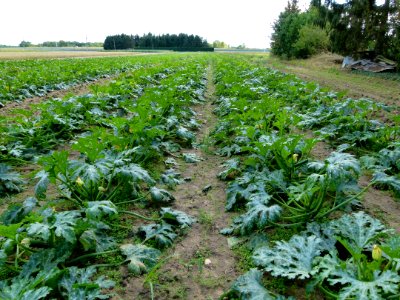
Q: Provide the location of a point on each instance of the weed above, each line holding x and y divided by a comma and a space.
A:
205, 219
244, 258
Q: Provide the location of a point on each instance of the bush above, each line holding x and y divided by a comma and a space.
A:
312, 40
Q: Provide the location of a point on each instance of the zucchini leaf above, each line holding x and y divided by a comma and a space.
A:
176, 217
383, 283
140, 257
162, 234
249, 287
359, 229
77, 284
99, 209
292, 259
161, 196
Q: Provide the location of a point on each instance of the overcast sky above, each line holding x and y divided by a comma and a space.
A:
232, 21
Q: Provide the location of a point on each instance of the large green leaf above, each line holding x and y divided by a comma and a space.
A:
99, 209
249, 287
258, 216
382, 179
88, 173
171, 178
42, 184
46, 260
176, 217
135, 173
9, 181
338, 166
232, 168
39, 230
140, 257
243, 190
16, 213
359, 229
161, 196
64, 225
292, 259
18, 291
163, 234
185, 134
96, 240
77, 284
191, 158
27, 288
386, 282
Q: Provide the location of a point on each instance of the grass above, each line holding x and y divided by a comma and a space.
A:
244, 258
205, 219
324, 70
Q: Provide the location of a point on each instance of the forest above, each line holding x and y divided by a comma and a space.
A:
358, 28
150, 41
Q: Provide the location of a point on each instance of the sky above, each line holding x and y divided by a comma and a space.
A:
235, 22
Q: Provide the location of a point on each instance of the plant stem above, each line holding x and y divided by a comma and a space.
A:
108, 265
117, 225
138, 216
327, 292
133, 200
345, 202
92, 255
151, 290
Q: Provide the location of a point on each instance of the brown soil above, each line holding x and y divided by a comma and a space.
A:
185, 273
381, 205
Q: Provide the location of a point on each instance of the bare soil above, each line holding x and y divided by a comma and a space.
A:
381, 204
201, 265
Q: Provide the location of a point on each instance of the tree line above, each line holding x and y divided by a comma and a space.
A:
355, 27
151, 41
60, 43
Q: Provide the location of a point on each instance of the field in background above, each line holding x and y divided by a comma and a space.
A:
48, 52
324, 69
100, 147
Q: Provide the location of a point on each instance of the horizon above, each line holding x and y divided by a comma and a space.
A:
233, 22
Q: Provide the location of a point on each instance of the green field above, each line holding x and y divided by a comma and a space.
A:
194, 176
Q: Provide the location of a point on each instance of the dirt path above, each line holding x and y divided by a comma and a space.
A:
201, 265
325, 70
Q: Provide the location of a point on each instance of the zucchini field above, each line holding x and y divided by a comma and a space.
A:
194, 176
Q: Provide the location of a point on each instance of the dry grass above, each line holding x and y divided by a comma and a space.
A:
326, 70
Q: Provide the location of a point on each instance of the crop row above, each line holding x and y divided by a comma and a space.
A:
28, 78
53, 243
277, 185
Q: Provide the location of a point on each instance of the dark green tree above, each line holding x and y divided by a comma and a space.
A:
25, 44
286, 30
151, 41
118, 42
362, 25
